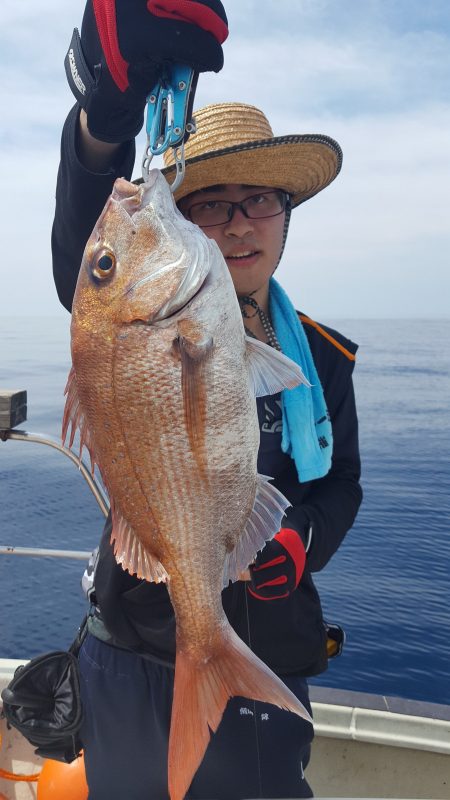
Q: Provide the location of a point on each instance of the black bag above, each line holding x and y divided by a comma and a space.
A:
43, 702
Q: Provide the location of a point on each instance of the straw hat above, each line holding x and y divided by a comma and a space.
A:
234, 143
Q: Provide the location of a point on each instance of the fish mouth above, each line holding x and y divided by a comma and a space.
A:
135, 197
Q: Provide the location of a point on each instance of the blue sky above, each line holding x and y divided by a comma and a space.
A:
373, 74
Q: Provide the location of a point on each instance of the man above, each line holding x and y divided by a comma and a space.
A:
240, 186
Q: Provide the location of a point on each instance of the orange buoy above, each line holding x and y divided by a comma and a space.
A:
58, 780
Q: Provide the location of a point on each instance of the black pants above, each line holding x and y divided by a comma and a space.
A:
259, 751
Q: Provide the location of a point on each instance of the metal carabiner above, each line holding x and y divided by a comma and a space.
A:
161, 122
168, 106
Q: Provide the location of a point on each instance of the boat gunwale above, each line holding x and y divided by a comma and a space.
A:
358, 716
378, 702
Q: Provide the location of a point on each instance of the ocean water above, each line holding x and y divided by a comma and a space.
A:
388, 585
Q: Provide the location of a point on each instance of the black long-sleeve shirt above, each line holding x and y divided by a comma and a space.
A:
287, 634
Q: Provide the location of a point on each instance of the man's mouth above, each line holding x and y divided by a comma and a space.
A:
242, 255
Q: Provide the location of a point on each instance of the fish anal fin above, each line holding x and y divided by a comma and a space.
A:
131, 554
271, 371
262, 524
75, 418
195, 348
201, 692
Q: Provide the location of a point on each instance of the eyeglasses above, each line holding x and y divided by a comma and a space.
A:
219, 212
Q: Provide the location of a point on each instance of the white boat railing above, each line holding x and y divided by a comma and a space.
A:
7, 399
10, 550
96, 489
51, 441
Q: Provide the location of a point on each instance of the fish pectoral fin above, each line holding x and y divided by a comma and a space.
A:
131, 554
263, 523
194, 339
75, 419
271, 371
195, 348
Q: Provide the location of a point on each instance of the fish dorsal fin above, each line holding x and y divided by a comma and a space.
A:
131, 554
270, 370
263, 523
75, 418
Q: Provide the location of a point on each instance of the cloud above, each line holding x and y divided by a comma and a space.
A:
315, 71
26, 212
373, 75
376, 242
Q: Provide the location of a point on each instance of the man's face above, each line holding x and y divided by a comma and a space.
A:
251, 247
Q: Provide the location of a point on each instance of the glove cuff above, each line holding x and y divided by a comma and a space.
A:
78, 74
292, 542
119, 123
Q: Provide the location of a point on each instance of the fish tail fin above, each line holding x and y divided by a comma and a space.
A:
201, 692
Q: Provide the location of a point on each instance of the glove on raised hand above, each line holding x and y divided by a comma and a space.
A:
278, 568
117, 61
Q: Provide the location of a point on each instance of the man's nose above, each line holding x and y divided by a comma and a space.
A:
239, 224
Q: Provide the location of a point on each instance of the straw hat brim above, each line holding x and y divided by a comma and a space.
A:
302, 165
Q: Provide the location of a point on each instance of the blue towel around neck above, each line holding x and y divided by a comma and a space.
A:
307, 434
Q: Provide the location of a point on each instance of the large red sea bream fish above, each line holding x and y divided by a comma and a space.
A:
162, 390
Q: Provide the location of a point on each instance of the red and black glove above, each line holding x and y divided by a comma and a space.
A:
116, 62
278, 568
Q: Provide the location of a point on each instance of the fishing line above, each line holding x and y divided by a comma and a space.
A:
254, 701
273, 342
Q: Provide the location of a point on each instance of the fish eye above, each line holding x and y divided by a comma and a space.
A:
103, 265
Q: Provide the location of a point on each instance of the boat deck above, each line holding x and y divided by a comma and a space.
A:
366, 746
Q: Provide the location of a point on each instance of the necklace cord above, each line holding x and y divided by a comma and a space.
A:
248, 300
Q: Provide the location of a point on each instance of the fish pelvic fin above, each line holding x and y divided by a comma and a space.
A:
271, 371
201, 692
263, 523
131, 554
74, 418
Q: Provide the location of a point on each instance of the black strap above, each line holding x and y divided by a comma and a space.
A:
75, 647
78, 73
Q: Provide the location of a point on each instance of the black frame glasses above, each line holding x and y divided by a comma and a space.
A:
245, 206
